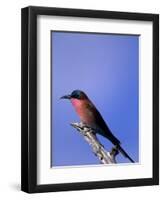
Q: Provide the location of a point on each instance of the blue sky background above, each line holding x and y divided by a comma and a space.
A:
105, 66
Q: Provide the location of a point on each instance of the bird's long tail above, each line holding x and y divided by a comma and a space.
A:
124, 153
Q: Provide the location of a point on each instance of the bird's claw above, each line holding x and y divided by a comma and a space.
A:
114, 151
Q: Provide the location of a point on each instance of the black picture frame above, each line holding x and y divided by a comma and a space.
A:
29, 98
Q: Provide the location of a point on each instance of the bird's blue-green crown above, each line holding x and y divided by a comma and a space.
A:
78, 94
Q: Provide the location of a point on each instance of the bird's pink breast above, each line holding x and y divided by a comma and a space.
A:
82, 110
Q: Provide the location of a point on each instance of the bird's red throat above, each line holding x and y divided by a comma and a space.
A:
77, 103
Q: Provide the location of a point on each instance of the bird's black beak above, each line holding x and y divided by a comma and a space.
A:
66, 97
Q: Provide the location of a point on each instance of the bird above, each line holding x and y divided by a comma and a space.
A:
90, 116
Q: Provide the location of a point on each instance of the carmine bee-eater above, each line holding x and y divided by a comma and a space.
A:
90, 116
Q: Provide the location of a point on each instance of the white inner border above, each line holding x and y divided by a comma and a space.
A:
143, 169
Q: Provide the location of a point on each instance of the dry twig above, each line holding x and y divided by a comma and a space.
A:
98, 149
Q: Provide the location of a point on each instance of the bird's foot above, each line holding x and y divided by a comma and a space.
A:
114, 151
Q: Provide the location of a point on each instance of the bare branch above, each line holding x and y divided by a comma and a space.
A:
98, 149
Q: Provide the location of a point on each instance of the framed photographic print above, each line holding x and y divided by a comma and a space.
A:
90, 99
